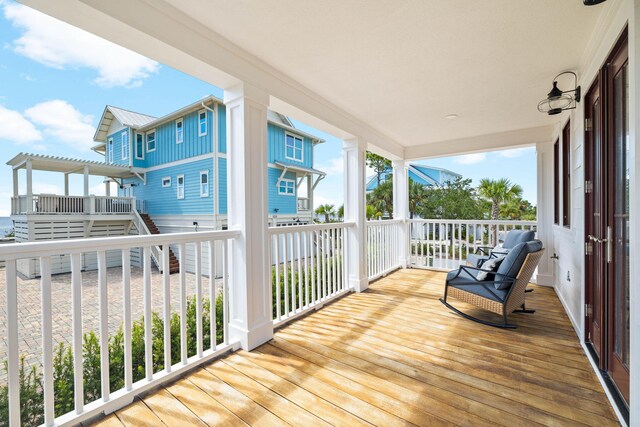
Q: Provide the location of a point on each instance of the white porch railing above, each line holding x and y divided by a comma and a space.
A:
383, 247
308, 267
445, 244
70, 205
170, 368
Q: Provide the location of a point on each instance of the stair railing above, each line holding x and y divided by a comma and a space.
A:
156, 252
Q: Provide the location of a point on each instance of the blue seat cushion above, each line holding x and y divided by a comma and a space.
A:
512, 263
476, 289
515, 237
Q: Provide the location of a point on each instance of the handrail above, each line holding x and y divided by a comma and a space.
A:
474, 221
156, 252
40, 248
310, 227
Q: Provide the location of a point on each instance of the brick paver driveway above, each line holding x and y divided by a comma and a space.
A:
29, 307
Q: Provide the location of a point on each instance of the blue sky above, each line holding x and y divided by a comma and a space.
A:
57, 79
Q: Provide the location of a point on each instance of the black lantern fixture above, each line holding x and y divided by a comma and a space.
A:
593, 2
558, 100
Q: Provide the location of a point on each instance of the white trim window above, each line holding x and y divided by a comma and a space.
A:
204, 183
293, 147
166, 182
110, 150
287, 187
139, 146
124, 141
151, 141
180, 186
179, 131
202, 122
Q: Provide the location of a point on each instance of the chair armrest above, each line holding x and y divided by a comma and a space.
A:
483, 250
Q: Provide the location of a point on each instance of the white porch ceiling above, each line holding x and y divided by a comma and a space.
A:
388, 70
402, 66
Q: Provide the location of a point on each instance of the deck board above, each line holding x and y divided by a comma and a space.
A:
394, 356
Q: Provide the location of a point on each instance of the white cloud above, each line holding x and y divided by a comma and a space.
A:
333, 166
16, 128
62, 121
27, 77
59, 45
470, 159
516, 152
319, 199
5, 208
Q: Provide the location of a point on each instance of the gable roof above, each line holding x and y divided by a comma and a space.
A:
419, 173
125, 117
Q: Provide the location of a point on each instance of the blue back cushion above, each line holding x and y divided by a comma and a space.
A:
513, 262
514, 237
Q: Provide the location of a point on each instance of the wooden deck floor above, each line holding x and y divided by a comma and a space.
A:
393, 356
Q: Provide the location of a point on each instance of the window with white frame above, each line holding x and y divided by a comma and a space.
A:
204, 183
179, 131
110, 150
166, 181
124, 140
139, 146
202, 122
151, 141
180, 187
293, 147
287, 187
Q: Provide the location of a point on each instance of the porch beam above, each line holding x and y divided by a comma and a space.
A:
250, 305
355, 211
401, 207
482, 143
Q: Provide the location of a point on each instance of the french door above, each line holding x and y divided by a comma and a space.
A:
607, 218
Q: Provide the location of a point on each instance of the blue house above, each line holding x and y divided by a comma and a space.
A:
181, 163
427, 176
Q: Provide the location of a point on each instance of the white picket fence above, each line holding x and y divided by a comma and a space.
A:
445, 244
113, 399
308, 267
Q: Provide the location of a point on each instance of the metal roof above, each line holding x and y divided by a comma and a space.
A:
298, 168
68, 165
125, 117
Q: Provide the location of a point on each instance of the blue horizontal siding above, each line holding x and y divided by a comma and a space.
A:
168, 151
222, 128
163, 200
284, 204
117, 147
222, 185
276, 147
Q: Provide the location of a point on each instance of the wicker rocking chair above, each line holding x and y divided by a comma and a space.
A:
504, 293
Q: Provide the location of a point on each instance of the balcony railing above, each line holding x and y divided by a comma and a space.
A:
47, 204
445, 244
146, 376
383, 247
308, 267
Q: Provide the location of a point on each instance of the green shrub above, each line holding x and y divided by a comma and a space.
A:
31, 391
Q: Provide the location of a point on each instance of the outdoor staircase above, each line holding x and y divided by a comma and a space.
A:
174, 264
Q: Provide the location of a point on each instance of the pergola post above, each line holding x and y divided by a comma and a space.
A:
354, 151
15, 183
66, 184
544, 153
250, 306
86, 180
401, 207
107, 188
29, 167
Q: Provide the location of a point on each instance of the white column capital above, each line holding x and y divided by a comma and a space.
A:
243, 92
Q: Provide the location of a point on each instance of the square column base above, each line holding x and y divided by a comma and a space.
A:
359, 284
253, 338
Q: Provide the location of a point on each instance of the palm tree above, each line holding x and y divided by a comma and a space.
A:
372, 213
381, 198
498, 192
341, 212
418, 195
327, 210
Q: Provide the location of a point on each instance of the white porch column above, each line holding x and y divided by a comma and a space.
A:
355, 211
66, 184
401, 207
107, 188
86, 180
544, 152
15, 182
250, 304
29, 167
